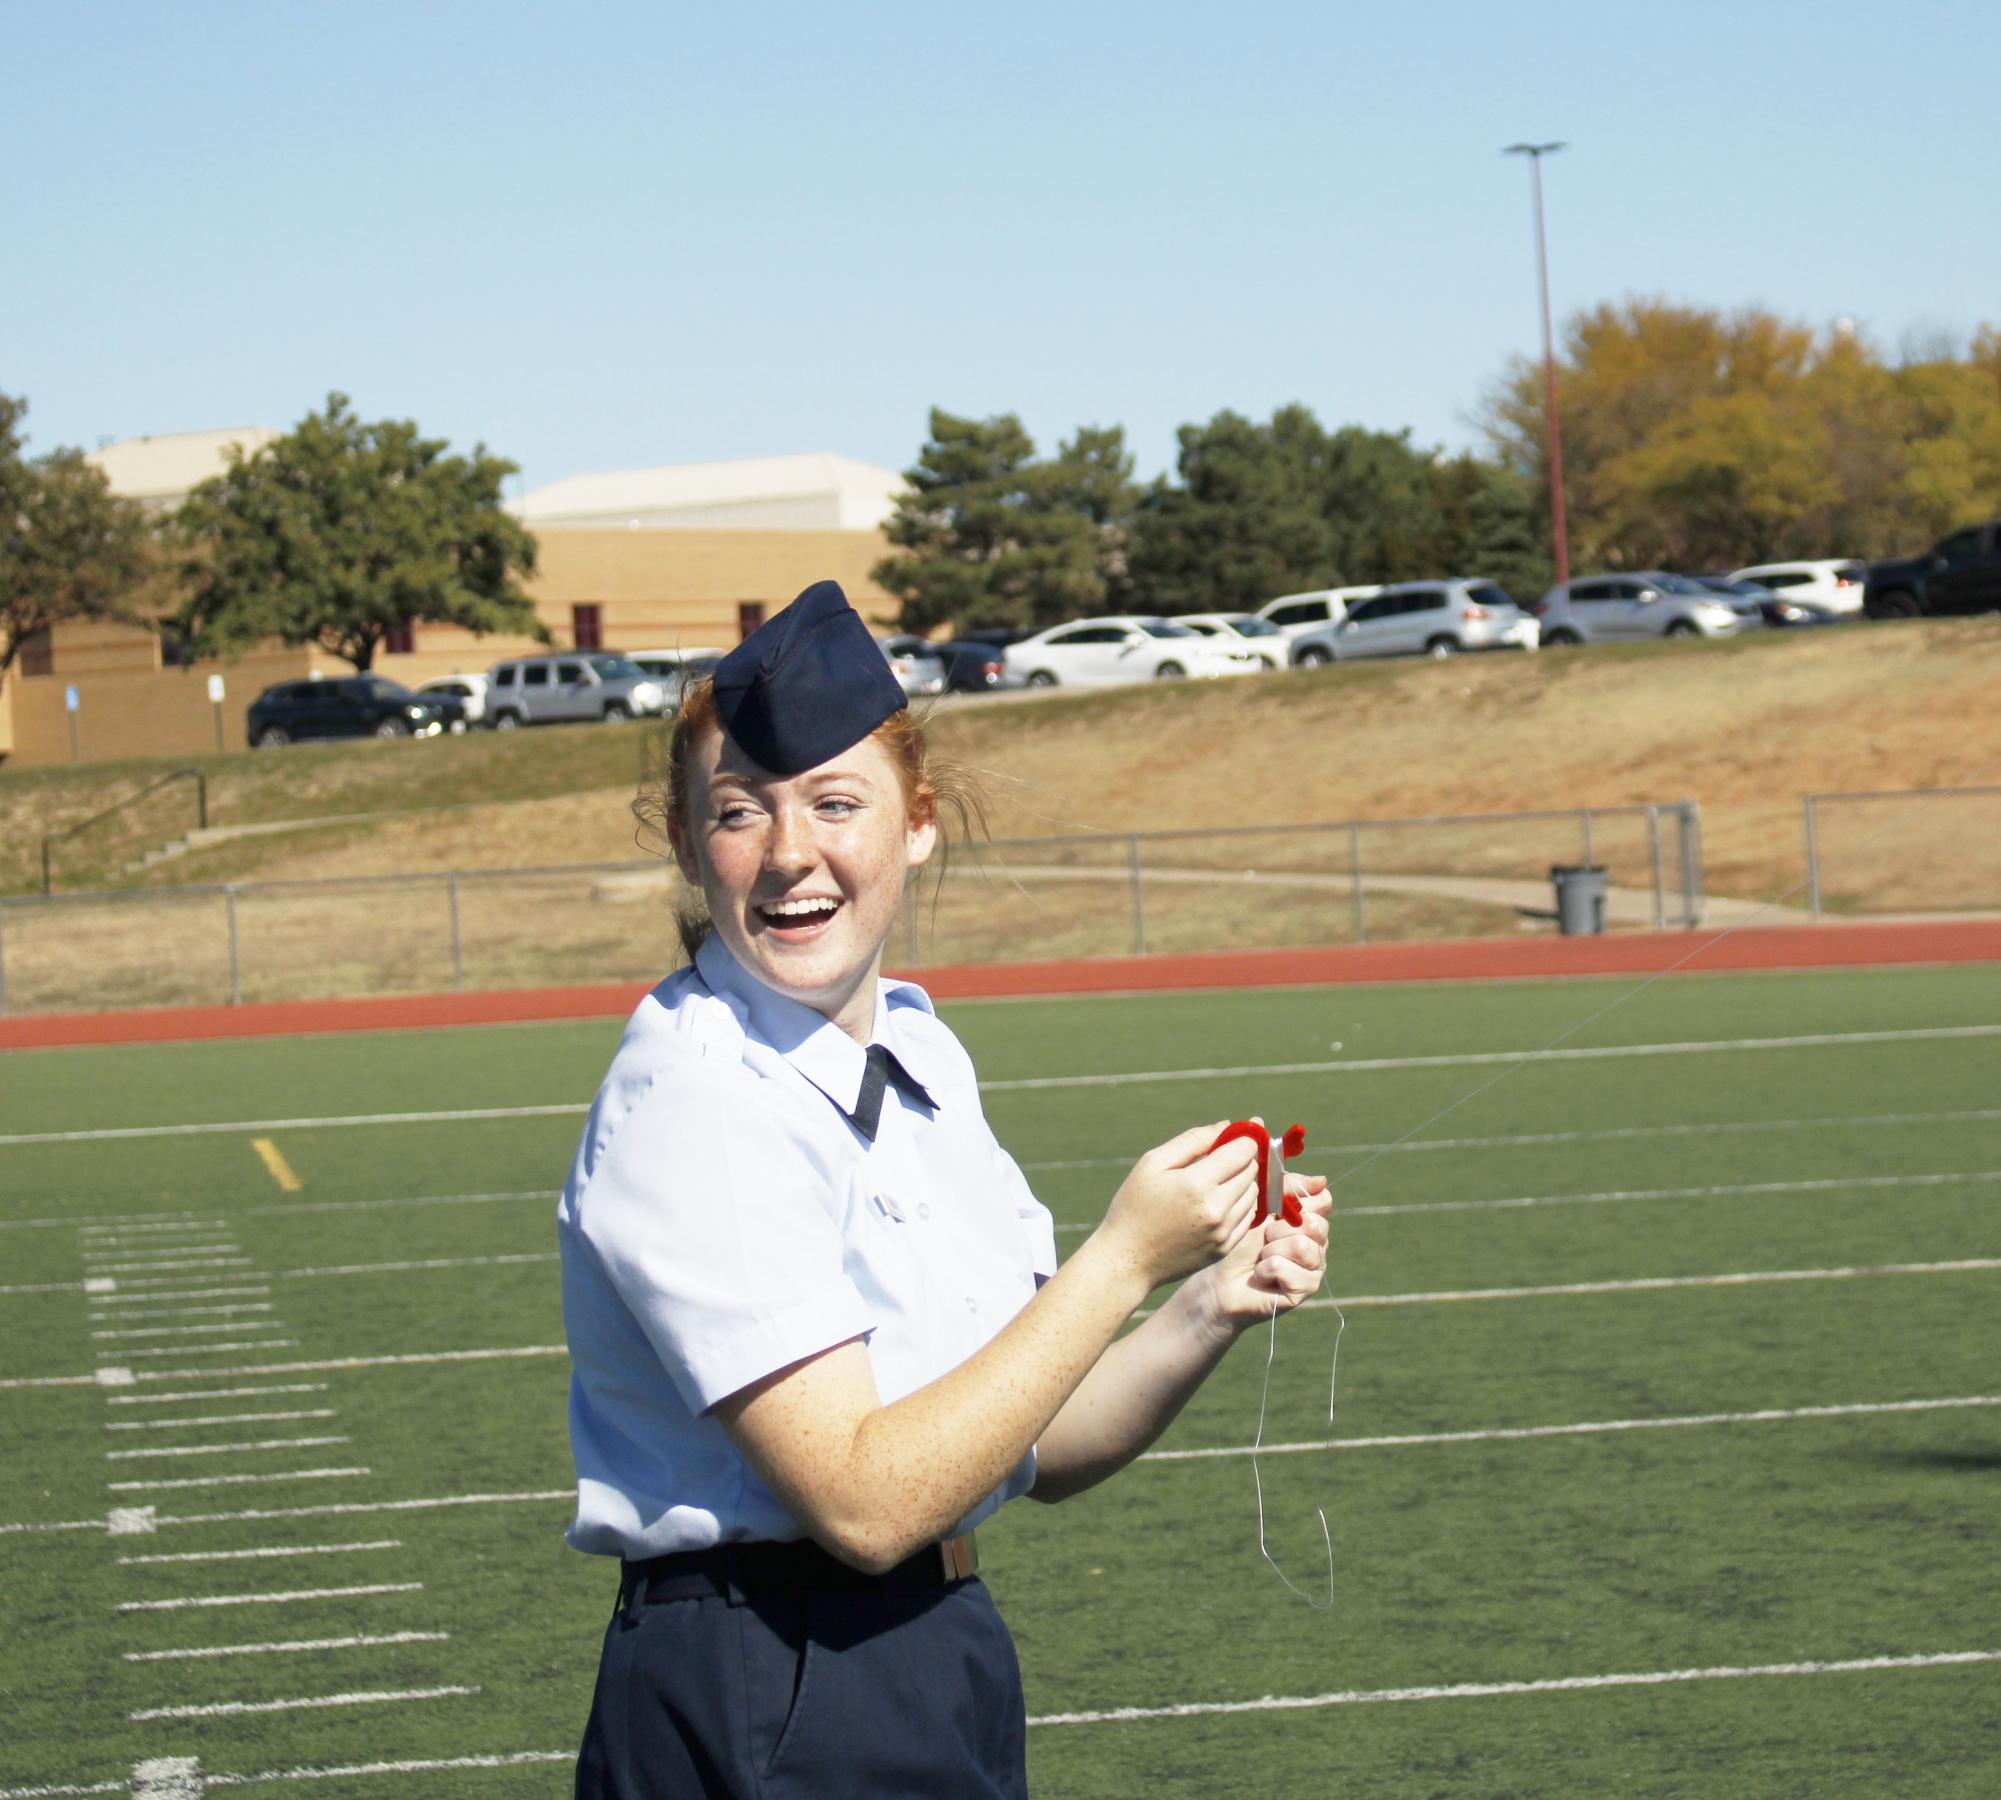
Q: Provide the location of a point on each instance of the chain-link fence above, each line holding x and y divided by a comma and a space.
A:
1379, 879
1903, 851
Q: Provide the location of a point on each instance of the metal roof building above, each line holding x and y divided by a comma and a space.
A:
159, 471
815, 492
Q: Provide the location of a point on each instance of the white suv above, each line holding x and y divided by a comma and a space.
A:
1833, 585
1294, 613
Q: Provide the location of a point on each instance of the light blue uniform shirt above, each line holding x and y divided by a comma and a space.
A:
724, 1219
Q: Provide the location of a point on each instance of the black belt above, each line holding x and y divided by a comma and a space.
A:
732, 1571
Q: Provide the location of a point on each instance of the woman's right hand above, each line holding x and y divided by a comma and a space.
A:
1184, 1205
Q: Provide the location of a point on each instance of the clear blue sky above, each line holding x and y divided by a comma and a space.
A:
612, 234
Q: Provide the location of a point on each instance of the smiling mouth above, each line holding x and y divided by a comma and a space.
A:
800, 915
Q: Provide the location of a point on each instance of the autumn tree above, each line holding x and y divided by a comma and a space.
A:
1706, 439
341, 532
69, 547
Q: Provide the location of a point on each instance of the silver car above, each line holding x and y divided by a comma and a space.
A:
1421, 618
569, 685
1646, 603
918, 671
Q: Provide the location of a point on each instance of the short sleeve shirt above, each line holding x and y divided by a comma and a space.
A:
723, 1219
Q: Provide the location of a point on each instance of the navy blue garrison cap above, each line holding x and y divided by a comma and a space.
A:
806, 685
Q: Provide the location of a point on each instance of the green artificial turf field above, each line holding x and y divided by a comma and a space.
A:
1758, 1262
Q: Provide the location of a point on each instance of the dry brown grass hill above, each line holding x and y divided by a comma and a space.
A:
1743, 729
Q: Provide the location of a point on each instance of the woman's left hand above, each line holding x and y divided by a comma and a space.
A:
1276, 1265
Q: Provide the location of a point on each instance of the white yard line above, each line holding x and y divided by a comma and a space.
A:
64, 1790
67, 1789
283, 1387
1482, 1690
119, 1297
1521, 1433
1517, 1202
204, 1350
1819, 1186
54, 1525
158, 1331
185, 1312
183, 1602
202, 1481
158, 1255
346, 1508
312, 1206
210, 1262
151, 1450
362, 1641
346, 1362
453, 1115
1661, 1283
1355, 1066
1599, 1135
317, 1412
434, 1262
514, 1759
90, 1221
230, 1708
110, 1234
279, 1551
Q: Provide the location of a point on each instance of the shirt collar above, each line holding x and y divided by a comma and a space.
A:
810, 1041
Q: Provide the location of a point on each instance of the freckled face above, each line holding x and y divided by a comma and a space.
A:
803, 873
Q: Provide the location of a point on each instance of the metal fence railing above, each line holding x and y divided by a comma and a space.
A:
1903, 850
1358, 881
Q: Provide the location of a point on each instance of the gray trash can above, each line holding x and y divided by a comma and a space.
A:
1580, 899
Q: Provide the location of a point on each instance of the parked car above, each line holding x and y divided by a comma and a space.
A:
970, 667
1123, 647
675, 669
1959, 574
1422, 618
1775, 609
1646, 603
571, 684
1294, 613
1833, 584
1257, 634
350, 706
999, 636
468, 690
916, 669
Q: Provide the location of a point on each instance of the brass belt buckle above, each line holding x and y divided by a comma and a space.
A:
960, 1557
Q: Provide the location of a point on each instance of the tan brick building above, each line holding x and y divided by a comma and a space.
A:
639, 559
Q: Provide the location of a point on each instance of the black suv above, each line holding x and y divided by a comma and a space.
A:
1959, 574
355, 706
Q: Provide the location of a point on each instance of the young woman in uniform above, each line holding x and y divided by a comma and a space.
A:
817, 1324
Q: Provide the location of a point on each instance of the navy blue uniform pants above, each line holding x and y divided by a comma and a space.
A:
808, 1694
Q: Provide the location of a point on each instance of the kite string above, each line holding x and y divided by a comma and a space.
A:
1257, 1478
1618, 1000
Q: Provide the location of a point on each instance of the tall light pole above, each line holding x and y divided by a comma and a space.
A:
1552, 433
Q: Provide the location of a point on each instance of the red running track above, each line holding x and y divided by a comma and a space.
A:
1478, 959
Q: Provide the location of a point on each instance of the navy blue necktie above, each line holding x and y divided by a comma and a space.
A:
881, 1069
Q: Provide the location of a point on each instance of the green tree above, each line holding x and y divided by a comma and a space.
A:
1245, 522
990, 536
1492, 524
69, 547
342, 532
1266, 509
